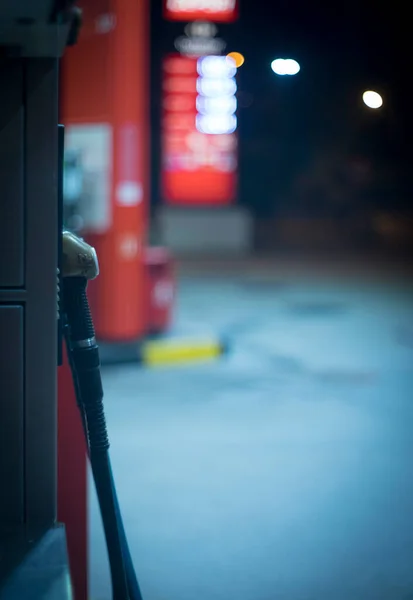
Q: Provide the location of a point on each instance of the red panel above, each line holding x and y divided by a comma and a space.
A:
202, 187
86, 69
220, 11
197, 168
124, 315
72, 482
105, 80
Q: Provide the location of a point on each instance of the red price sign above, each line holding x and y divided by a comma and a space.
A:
220, 11
197, 168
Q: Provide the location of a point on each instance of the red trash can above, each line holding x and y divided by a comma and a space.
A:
160, 289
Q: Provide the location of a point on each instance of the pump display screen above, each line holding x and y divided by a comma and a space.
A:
219, 11
199, 141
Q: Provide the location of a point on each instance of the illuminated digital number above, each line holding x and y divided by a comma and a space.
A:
216, 102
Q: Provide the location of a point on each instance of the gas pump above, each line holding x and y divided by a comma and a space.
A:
33, 544
34, 561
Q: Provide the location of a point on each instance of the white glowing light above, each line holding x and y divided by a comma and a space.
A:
220, 105
216, 124
200, 5
216, 102
285, 66
292, 66
216, 66
278, 66
215, 86
372, 99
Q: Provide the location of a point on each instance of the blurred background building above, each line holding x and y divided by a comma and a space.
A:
310, 151
214, 155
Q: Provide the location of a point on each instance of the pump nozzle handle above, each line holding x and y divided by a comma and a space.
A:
79, 258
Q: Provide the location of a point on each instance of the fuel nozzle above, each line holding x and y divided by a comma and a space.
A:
79, 266
79, 258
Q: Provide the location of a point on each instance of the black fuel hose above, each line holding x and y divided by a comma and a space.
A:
83, 355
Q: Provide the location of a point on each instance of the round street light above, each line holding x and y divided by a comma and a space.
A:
285, 66
372, 99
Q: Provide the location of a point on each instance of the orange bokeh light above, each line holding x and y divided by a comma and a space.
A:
237, 57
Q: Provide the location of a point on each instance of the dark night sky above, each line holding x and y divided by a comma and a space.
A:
343, 48
364, 35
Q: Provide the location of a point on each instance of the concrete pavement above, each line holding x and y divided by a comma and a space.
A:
283, 471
